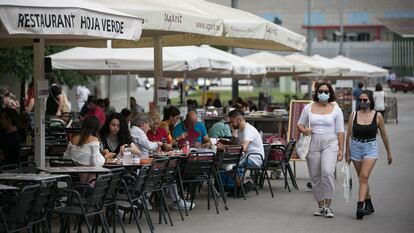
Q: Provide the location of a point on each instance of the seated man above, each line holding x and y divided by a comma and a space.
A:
10, 138
141, 124
249, 138
221, 129
192, 131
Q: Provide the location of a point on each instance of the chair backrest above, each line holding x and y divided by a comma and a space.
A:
116, 183
276, 154
266, 149
9, 168
231, 155
136, 184
29, 167
99, 193
62, 162
25, 153
21, 211
156, 174
172, 170
45, 200
57, 149
199, 164
289, 150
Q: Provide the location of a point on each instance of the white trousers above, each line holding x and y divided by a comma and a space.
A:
322, 158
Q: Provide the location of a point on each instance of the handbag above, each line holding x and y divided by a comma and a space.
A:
303, 145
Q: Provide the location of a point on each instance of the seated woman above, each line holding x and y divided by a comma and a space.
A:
115, 135
171, 117
84, 149
158, 134
140, 127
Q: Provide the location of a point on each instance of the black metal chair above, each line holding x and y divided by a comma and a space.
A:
259, 174
173, 178
15, 216
86, 201
112, 196
29, 167
154, 183
228, 163
131, 195
199, 168
44, 205
284, 162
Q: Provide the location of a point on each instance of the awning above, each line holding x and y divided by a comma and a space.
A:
402, 26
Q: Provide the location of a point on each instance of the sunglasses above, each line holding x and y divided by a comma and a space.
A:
363, 100
323, 91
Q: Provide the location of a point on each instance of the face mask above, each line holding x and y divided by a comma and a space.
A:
364, 105
323, 97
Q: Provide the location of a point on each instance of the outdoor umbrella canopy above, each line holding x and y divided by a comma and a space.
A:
318, 67
31, 22
343, 68
240, 66
67, 20
277, 65
361, 69
136, 60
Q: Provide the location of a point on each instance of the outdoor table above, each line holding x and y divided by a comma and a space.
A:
33, 178
4, 187
79, 169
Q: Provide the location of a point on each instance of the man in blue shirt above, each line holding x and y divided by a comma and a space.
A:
192, 131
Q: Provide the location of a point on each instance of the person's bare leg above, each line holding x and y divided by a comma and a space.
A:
366, 168
364, 172
357, 165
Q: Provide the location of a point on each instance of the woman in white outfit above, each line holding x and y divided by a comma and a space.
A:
327, 129
379, 98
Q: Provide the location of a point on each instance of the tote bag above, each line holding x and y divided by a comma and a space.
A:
302, 148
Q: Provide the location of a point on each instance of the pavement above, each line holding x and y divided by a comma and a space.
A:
392, 189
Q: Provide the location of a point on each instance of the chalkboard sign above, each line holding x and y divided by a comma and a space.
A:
296, 107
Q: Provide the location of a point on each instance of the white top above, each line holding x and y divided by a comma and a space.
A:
251, 134
141, 141
87, 154
331, 123
83, 93
379, 99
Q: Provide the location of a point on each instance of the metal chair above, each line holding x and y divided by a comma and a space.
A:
112, 196
228, 162
44, 204
154, 183
16, 216
132, 195
173, 178
199, 168
284, 162
84, 202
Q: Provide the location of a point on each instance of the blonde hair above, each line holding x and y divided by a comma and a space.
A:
154, 114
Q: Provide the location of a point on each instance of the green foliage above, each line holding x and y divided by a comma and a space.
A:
20, 62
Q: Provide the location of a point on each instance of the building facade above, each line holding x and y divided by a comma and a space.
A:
365, 38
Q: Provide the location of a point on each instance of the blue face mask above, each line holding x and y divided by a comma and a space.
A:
323, 97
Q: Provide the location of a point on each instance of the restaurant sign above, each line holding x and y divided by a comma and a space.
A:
68, 21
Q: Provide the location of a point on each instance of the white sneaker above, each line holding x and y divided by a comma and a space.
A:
328, 212
182, 206
319, 212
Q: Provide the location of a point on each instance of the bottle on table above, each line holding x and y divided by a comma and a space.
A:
127, 156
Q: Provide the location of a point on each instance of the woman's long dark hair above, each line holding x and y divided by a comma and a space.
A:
172, 111
124, 136
90, 127
332, 97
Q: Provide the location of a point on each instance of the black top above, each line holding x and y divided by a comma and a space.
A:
10, 147
365, 132
52, 103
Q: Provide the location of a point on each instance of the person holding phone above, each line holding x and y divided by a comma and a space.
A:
362, 149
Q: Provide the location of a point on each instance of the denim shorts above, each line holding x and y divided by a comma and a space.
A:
361, 150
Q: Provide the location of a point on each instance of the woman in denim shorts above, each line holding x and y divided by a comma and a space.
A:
362, 146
